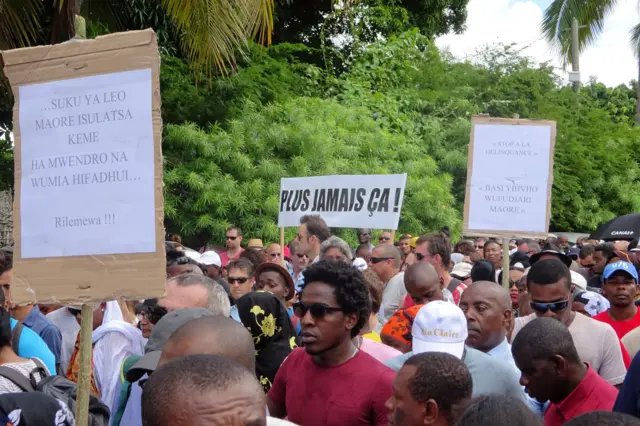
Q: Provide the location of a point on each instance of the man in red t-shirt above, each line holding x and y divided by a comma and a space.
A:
233, 240
620, 288
330, 382
552, 371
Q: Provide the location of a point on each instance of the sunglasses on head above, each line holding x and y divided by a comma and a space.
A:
555, 307
184, 260
231, 238
375, 260
317, 310
240, 280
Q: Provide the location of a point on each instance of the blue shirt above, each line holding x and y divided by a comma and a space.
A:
42, 325
32, 346
628, 400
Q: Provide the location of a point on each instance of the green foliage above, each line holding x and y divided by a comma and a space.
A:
220, 177
273, 74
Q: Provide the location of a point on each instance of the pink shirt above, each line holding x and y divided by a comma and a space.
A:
379, 351
224, 257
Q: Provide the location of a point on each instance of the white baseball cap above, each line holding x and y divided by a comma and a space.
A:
192, 254
439, 327
360, 263
578, 280
209, 258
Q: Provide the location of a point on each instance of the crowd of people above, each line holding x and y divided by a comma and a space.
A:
409, 332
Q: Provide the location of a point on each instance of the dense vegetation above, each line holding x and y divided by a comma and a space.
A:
388, 106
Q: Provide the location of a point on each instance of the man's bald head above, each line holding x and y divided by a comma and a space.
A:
423, 283
214, 335
203, 389
487, 307
389, 251
493, 291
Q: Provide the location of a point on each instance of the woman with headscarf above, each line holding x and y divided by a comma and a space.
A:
397, 330
267, 320
113, 341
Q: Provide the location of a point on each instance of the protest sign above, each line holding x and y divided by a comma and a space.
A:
509, 177
88, 208
344, 201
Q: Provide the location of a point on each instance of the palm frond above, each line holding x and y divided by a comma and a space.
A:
19, 23
635, 40
591, 15
214, 31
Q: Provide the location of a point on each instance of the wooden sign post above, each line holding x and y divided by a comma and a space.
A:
88, 209
509, 180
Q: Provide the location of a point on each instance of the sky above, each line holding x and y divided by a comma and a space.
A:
610, 59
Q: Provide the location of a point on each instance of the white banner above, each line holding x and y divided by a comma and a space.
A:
509, 177
343, 201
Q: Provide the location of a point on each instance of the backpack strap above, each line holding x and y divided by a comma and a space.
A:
17, 379
40, 368
453, 284
15, 336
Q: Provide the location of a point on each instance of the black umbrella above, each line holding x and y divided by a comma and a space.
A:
625, 227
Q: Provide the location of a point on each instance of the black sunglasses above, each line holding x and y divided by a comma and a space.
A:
184, 260
240, 280
554, 306
420, 256
375, 260
384, 238
231, 238
300, 255
317, 310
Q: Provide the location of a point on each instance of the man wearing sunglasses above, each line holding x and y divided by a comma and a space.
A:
620, 288
330, 381
233, 239
385, 261
549, 285
436, 249
385, 238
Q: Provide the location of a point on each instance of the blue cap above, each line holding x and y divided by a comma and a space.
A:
620, 266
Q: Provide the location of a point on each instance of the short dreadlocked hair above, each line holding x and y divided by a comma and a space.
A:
443, 378
352, 293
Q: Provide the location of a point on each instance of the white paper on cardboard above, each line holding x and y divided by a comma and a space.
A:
87, 184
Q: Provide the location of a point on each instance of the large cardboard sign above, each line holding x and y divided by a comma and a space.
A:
88, 207
509, 177
343, 201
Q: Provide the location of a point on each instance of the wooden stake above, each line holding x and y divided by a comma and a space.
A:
84, 370
282, 246
393, 236
505, 263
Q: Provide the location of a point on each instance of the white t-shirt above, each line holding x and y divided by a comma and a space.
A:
69, 329
596, 342
25, 368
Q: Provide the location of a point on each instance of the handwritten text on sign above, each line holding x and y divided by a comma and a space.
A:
509, 178
87, 166
349, 201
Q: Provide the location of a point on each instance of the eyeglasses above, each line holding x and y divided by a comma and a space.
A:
240, 280
274, 255
513, 283
554, 306
384, 238
184, 260
231, 238
300, 256
317, 310
375, 260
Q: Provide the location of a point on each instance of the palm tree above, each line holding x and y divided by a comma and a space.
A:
211, 32
591, 15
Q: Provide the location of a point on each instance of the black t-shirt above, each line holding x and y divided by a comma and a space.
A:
595, 281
